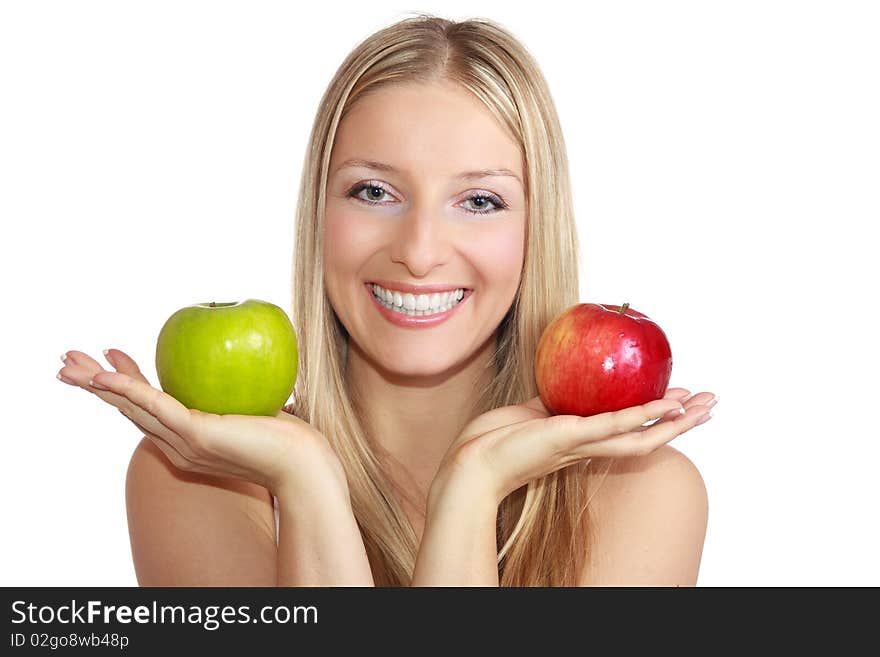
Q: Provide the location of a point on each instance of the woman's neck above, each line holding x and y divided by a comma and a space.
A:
414, 420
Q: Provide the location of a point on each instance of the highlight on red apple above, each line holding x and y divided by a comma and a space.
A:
595, 358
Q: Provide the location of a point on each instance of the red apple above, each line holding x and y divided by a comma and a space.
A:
594, 358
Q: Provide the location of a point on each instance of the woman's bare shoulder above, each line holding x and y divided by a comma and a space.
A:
616, 474
648, 505
190, 529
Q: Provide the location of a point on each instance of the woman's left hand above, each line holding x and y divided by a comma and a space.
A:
508, 447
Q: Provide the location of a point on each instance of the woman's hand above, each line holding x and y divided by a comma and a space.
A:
262, 449
510, 446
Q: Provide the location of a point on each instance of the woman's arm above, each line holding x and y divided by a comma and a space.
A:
506, 448
319, 543
198, 490
458, 544
651, 513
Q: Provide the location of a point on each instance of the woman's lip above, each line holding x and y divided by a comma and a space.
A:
414, 321
416, 289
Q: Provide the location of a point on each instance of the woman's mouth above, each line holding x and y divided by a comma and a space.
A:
416, 310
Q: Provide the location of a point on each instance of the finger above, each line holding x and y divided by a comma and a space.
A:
81, 375
176, 458
679, 394
699, 398
124, 363
570, 433
173, 455
151, 425
638, 443
81, 359
173, 415
634, 417
78, 368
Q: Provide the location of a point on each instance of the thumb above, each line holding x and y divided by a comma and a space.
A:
124, 364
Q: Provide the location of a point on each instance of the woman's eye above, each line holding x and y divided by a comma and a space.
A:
480, 201
375, 192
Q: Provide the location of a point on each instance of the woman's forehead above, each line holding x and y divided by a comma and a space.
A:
428, 123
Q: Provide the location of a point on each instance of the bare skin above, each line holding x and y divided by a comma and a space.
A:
418, 385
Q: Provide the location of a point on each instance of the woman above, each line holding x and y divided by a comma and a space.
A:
417, 452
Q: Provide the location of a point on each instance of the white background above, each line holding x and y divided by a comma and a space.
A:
724, 159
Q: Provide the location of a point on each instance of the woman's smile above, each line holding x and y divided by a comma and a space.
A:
416, 311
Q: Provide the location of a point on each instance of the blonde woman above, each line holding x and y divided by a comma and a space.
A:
417, 451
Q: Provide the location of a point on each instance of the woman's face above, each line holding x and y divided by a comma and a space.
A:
422, 228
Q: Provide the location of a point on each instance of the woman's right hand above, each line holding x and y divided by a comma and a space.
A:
269, 451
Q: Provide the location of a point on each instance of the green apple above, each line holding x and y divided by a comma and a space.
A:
228, 358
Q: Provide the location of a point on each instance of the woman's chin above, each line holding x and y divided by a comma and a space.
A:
423, 370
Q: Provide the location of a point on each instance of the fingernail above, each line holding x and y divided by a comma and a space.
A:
64, 357
63, 378
97, 385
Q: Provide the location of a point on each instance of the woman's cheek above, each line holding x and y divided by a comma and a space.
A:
500, 255
348, 239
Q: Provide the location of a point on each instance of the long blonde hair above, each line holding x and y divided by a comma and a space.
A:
543, 532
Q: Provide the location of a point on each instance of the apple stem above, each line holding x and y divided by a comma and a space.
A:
213, 305
624, 307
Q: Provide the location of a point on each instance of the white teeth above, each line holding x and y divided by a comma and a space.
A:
421, 304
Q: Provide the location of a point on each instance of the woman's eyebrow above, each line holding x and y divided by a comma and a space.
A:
465, 175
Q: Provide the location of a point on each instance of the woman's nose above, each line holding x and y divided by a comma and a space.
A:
421, 241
